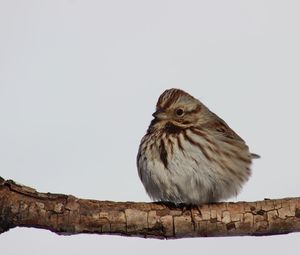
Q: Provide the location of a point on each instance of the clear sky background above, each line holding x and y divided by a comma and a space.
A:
80, 79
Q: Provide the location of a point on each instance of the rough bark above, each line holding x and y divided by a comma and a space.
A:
67, 215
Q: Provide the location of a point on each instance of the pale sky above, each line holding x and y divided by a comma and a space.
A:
80, 79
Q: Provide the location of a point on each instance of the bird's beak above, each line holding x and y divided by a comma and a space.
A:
159, 114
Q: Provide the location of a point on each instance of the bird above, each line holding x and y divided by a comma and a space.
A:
189, 155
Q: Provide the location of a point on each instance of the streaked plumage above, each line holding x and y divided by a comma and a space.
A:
190, 155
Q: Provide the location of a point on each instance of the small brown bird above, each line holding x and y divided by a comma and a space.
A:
190, 155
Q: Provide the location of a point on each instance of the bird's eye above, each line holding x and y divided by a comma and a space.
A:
179, 112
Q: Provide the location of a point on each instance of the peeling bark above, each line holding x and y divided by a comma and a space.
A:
22, 206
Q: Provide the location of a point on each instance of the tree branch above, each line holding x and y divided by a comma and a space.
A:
22, 206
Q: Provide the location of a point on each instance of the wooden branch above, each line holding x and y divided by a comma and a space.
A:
65, 214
